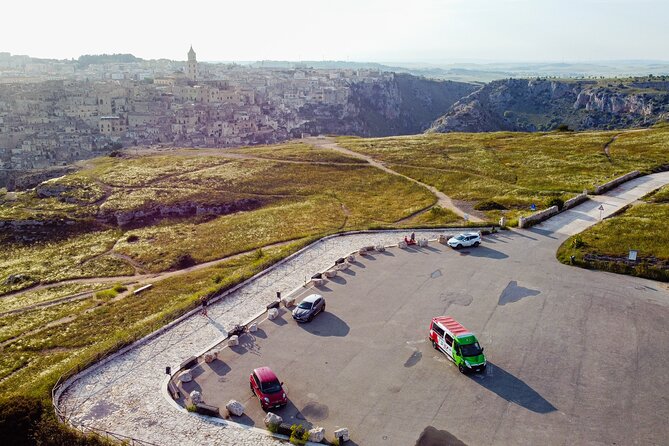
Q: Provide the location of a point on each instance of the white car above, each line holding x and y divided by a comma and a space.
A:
465, 240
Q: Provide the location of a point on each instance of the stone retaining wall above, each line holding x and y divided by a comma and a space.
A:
613, 183
578, 199
537, 217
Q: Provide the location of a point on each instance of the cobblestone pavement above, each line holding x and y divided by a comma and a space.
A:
124, 395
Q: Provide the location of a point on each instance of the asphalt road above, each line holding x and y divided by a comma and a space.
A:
575, 356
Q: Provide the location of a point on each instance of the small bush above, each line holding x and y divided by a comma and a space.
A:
273, 427
258, 254
119, 288
298, 434
437, 211
183, 261
489, 205
106, 294
191, 408
577, 242
559, 202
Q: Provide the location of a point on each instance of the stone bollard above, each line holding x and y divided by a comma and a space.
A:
502, 221
288, 301
443, 239
362, 251
331, 273
195, 397
402, 244
186, 377
235, 408
233, 340
380, 248
209, 357
318, 282
253, 328
521, 222
272, 420
350, 258
316, 434
272, 313
422, 242
342, 433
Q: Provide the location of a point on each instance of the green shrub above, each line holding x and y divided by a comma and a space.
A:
298, 434
106, 294
119, 288
437, 211
559, 202
577, 242
489, 205
191, 407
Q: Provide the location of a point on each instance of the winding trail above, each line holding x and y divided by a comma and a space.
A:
443, 200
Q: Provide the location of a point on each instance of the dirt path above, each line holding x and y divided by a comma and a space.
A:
137, 280
442, 199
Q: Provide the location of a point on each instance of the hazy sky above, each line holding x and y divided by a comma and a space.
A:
356, 30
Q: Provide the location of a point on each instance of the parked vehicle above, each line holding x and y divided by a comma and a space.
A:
458, 343
464, 240
309, 307
266, 386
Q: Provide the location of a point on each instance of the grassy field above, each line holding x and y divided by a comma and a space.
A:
40, 345
642, 228
517, 169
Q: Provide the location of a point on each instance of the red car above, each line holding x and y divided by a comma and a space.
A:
266, 386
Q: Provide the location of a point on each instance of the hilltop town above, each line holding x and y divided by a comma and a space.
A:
55, 112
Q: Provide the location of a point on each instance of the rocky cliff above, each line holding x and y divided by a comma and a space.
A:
544, 104
399, 105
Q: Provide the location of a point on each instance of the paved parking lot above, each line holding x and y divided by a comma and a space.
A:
575, 356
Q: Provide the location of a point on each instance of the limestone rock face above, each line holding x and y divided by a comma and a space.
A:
272, 419
195, 397
235, 408
316, 434
343, 432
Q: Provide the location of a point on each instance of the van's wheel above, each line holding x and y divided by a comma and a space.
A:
462, 369
476, 243
252, 391
323, 309
458, 246
434, 345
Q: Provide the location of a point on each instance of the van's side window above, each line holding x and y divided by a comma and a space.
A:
437, 329
448, 339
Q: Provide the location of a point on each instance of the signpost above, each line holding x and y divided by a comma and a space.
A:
632, 255
533, 207
601, 208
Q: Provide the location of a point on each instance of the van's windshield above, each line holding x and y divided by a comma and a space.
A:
470, 349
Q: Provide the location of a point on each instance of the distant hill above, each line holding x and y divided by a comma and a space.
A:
89, 59
545, 104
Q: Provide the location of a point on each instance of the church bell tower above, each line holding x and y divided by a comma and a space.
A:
191, 66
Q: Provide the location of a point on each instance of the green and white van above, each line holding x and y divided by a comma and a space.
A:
458, 343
